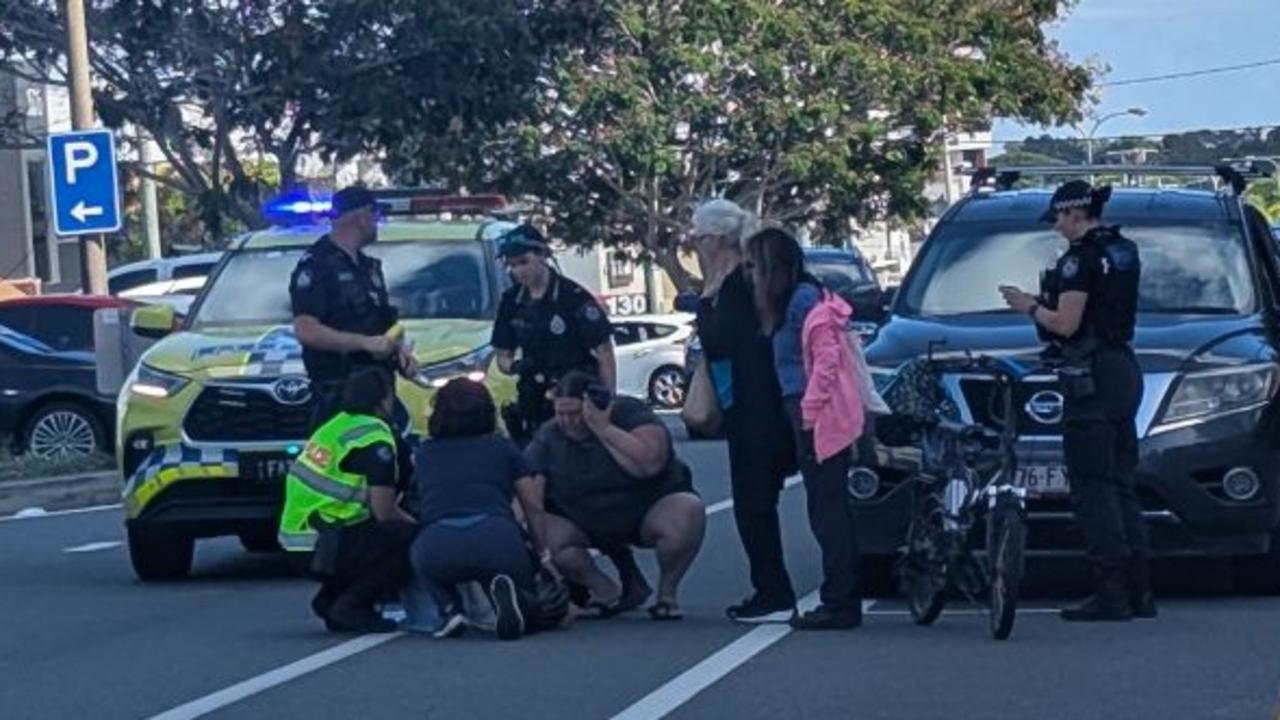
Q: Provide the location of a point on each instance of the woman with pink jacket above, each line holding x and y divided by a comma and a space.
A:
814, 360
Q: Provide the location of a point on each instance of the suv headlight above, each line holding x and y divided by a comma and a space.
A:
1205, 394
473, 366
157, 384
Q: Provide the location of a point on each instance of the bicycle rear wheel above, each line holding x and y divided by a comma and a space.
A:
1006, 547
924, 567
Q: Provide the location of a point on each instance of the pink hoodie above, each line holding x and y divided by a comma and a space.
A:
832, 402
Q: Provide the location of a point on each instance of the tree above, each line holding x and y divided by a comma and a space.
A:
222, 85
808, 111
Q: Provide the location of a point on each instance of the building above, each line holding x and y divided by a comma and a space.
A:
28, 246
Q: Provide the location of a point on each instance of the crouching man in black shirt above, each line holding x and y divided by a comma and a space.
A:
612, 478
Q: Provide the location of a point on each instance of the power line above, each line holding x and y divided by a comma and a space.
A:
1191, 73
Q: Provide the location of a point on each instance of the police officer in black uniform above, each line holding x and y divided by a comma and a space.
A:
555, 323
341, 312
1088, 312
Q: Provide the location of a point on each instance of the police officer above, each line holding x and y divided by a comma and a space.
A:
1089, 313
340, 503
554, 322
341, 312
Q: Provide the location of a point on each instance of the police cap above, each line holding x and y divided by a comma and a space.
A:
353, 198
1077, 194
521, 239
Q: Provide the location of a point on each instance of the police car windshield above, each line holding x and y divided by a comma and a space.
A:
426, 280
1194, 269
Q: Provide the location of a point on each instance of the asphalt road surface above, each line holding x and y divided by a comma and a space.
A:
81, 638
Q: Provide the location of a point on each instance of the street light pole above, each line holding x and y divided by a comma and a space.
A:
93, 257
1088, 140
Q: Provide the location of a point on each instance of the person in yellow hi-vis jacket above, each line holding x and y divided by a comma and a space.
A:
340, 503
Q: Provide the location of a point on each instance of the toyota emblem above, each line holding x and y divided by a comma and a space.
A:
292, 390
1045, 407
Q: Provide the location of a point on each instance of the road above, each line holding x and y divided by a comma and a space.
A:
80, 637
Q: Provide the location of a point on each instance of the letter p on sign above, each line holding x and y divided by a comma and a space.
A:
81, 155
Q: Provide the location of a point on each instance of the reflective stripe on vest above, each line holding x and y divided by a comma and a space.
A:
298, 541
358, 432
328, 486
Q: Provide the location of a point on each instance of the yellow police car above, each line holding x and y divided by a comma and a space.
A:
213, 414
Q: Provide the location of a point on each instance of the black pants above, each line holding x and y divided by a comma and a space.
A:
532, 409
1100, 442
447, 555
371, 562
758, 473
830, 516
324, 403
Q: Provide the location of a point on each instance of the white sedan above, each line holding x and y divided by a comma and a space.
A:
650, 351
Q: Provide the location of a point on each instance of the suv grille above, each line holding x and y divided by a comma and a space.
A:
978, 396
249, 414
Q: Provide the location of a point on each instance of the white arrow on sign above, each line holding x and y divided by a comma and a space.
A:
82, 212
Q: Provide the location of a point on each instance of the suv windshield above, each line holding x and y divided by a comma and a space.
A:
426, 280
1186, 268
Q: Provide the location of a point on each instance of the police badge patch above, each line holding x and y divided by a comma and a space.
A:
591, 313
557, 325
1070, 267
304, 279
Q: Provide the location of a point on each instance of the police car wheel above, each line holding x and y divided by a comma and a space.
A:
666, 387
160, 555
260, 541
63, 430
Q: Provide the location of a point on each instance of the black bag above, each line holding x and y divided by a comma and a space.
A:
917, 398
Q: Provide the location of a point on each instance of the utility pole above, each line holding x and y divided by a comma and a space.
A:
93, 257
150, 203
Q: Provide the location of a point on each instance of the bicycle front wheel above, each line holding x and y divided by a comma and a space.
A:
924, 569
1006, 547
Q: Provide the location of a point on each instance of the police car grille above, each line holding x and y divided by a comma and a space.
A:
227, 414
978, 396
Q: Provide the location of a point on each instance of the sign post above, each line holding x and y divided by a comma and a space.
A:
93, 255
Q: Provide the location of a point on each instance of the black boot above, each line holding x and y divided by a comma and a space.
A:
1141, 600
1109, 603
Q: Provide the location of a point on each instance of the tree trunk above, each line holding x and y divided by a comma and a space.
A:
668, 259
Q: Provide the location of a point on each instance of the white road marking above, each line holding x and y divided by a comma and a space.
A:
94, 546
685, 686
36, 513
254, 685
726, 504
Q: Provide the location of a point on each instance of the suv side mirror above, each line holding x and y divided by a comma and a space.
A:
152, 321
686, 302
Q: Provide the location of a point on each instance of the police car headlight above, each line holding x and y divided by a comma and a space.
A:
1206, 394
473, 366
157, 384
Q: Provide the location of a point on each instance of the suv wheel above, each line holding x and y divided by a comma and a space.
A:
666, 387
1259, 575
63, 430
158, 555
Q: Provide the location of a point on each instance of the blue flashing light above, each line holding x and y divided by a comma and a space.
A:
294, 208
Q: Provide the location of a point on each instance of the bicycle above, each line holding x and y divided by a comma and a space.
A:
967, 473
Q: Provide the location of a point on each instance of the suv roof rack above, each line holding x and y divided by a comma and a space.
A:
1236, 173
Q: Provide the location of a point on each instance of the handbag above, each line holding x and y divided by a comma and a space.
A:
872, 402
701, 410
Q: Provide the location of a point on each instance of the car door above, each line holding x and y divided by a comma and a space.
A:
627, 340
20, 368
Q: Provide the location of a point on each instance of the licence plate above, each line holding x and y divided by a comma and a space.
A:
1043, 479
268, 467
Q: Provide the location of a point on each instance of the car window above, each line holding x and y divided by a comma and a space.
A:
64, 327
192, 270
426, 280
1190, 268
18, 319
660, 331
131, 279
626, 334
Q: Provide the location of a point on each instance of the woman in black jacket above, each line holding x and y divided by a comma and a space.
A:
761, 452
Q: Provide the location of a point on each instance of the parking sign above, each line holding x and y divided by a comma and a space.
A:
86, 195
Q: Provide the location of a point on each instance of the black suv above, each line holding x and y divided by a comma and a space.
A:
1208, 339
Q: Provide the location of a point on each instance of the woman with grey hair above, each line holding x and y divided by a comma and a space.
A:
761, 452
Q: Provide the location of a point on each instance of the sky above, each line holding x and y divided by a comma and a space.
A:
1142, 38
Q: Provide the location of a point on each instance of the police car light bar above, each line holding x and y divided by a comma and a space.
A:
299, 208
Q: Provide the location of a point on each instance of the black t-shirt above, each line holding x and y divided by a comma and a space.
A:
378, 462
458, 477
556, 332
588, 485
346, 295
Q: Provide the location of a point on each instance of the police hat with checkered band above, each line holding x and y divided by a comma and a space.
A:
1077, 194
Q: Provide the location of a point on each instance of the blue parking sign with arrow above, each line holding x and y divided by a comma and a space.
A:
86, 193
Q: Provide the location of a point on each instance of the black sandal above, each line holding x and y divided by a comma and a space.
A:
665, 612
599, 610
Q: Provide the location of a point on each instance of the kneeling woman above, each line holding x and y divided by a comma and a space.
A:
466, 477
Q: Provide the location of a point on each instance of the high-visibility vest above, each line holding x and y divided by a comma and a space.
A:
317, 488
